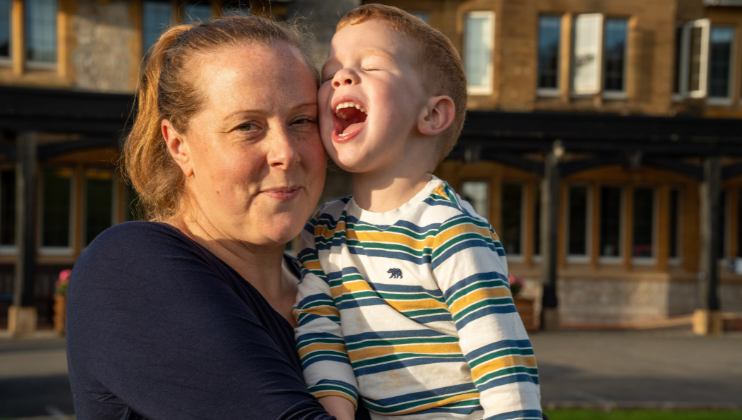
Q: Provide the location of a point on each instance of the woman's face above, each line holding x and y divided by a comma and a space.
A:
256, 166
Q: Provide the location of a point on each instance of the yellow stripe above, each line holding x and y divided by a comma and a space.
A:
312, 265
441, 403
477, 296
450, 233
363, 354
411, 305
333, 393
502, 362
318, 310
327, 233
321, 346
441, 190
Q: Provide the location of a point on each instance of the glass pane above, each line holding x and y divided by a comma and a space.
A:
696, 38
643, 246
156, 19
721, 245
610, 221
41, 30
134, 207
578, 216
721, 61
512, 222
197, 12
7, 207
674, 223
537, 223
549, 31
56, 207
5, 28
477, 54
678, 52
98, 202
615, 54
424, 16
477, 194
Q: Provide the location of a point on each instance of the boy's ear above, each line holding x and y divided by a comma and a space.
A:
177, 147
437, 115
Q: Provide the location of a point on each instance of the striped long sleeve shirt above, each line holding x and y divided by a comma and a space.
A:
412, 310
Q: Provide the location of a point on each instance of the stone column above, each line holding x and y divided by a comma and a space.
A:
707, 319
22, 315
549, 231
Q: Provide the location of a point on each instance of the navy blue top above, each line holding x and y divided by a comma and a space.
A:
159, 328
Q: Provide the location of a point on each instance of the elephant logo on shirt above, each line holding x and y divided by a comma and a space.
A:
396, 273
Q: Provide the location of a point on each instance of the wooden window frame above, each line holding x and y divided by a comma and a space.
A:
574, 258
655, 226
618, 259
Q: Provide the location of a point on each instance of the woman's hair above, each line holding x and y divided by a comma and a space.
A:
167, 91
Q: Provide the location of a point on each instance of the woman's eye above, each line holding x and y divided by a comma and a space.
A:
247, 127
305, 120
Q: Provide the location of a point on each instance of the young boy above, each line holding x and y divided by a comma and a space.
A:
404, 296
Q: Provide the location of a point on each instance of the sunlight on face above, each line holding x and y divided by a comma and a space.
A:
258, 162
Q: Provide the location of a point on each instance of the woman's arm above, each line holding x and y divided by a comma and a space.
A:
154, 327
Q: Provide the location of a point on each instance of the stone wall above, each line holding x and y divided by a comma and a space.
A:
585, 302
102, 56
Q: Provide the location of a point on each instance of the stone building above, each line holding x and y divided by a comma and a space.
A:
620, 116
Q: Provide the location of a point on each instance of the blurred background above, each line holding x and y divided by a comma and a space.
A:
603, 142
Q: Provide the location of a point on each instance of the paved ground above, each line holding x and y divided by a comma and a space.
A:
576, 367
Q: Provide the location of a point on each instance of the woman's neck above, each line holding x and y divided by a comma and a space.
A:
260, 265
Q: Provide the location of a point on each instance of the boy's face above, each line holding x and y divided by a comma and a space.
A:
370, 98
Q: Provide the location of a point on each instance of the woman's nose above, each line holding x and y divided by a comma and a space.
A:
344, 77
282, 153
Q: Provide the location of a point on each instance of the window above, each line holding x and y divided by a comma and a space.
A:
477, 194
692, 59
99, 193
720, 65
611, 203
674, 224
5, 6
479, 29
615, 55
578, 216
549, 36
588, 41
56, 205
7, 209
41, 31
512, 218
643, 232
195, 11
157, 17
676, 89
424, 16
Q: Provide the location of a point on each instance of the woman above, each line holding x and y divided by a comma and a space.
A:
190, 317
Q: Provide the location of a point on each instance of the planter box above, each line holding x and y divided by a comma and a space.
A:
527, 313
60, 313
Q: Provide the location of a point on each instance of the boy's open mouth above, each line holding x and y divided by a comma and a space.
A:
350, 117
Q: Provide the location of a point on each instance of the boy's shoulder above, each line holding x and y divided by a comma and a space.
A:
444, 204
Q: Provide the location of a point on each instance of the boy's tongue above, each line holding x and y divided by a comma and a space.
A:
353, 128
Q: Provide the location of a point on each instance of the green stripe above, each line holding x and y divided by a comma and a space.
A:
403, 341
401, 356
478, 285
501, 353
481, 304
406, 406
321, 353
505, 371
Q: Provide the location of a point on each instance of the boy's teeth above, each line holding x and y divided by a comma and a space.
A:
350, 105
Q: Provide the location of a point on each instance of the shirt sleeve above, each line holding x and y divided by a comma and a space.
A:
469, 266
319, 338
155, 329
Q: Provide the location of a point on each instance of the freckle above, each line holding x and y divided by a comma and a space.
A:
217, 192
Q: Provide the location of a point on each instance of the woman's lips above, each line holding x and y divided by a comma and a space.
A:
283, 193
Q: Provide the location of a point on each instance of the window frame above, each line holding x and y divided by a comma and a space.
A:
174, 14
684, 91
619, 259
56, 250
488, 190
615, 94
488, 88
549, 92
675, 261
729, 99
40, 65
523, 213
655, 226
576, 258
84, 211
